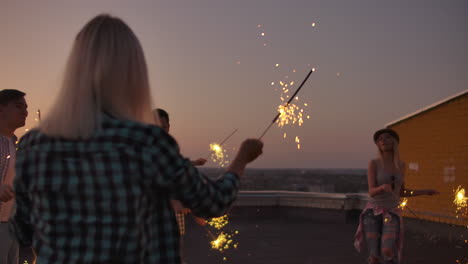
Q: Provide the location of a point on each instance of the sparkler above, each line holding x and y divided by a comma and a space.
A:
219, 222
219, 153
460, 201
403, 203
224, 240
285, 107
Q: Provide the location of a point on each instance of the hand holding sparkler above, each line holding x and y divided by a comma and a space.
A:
249, 150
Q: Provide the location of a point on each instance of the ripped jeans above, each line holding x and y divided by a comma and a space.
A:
381, 235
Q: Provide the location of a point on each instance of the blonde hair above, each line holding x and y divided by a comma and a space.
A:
106, 72
396, 154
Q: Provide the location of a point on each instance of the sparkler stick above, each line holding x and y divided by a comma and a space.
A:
222, 142
289, 101
218, 150
230, 135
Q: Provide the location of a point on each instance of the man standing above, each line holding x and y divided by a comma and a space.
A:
13, 113
177, 206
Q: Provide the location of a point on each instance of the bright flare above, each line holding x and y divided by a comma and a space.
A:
219, 222
460, 201
223, 242
219, 155
403, 203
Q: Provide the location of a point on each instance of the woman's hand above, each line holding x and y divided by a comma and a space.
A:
386, 188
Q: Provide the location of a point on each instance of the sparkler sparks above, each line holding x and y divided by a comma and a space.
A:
219, 222
403, 203
287, 112
223, 242
219, 154
460, 201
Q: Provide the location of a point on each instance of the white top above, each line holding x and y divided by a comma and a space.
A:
387, 200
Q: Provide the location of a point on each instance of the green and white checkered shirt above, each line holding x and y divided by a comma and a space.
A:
107, 199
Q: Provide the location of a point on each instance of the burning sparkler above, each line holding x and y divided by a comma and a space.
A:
460, 201
219, 222
403, 203
219, 154
289, 113
223, 242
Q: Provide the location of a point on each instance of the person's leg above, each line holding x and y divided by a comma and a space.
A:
372, 225
390, 232
8, 246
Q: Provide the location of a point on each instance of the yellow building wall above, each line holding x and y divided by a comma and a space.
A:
434, 145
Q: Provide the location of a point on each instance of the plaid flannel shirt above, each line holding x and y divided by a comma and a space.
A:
106, 199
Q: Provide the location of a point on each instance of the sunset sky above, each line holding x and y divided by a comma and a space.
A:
212, 69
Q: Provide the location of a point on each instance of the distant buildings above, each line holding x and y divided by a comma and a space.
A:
434, 145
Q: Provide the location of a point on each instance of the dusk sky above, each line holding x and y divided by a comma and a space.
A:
375, 61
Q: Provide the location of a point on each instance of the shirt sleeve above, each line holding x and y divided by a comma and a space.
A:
20, 224
170, 170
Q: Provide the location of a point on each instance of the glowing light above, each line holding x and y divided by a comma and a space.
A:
272, 83
219, 155
263, 34
8, 156
219, 222
292, 113
289, 114
259, 25
460, 201
403, 203
313, 24
313, 69
223, 242
277, 65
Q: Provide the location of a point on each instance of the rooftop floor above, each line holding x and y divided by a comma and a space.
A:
286, 235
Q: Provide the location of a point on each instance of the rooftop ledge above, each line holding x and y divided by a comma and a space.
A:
343, 201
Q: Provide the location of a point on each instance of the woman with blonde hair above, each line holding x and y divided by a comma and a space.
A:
94, 181
381, 220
